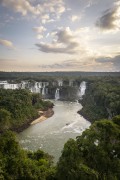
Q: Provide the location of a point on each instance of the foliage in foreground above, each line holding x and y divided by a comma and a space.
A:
94, 155
18, 164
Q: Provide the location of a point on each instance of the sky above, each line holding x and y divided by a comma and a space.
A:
60, 35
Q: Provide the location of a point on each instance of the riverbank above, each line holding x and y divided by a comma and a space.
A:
43, 116
80, 112
51, 134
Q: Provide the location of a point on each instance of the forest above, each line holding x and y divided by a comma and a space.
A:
95, 155
19, 107
102, 98
39, 75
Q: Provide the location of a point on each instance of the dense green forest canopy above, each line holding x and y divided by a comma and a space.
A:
94, 155
19, 107
102, 98
18, 164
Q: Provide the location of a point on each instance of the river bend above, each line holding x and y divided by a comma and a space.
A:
51, 134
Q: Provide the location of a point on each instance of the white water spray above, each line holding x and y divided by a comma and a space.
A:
82, 89
43, 90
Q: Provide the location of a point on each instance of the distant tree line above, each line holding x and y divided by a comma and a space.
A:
54, 75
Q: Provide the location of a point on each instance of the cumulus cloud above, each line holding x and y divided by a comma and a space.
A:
39, 30
6, 43
43, 9
51, 10
21, 6
110, 20
45, 18
64, 41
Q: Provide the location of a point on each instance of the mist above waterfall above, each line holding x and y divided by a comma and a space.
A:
82, 89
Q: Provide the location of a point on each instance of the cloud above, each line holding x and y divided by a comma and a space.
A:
104, 60
48, 10
39, 30
71, 65
39, 36
114, 61
110, 20
51, 10
67, 64
74, 18
21, 6
60, 9
91, 64
45, 18
64, 41
6, 43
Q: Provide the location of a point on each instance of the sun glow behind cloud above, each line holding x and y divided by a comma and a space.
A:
60, 35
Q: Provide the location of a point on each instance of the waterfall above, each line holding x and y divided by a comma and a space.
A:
60, 83
43, 90
57, 94
70, 83
82, 89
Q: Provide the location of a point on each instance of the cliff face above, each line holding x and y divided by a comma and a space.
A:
66, 93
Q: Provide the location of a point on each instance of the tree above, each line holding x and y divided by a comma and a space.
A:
5, 117
16, 163
94, 155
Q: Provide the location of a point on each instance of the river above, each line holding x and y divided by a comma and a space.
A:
50, 135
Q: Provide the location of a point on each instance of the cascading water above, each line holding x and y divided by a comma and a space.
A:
43, 90
60, 83
82, 89
57, 94
70, 83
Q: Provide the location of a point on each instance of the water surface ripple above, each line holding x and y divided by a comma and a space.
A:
51, 134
